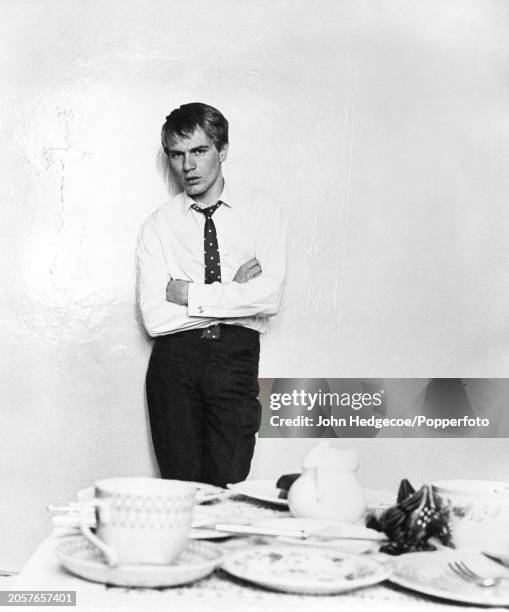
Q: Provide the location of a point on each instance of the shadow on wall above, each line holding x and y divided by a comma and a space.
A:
148, 339
164, 169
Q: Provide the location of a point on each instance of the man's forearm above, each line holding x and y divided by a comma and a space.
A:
234, 301
259, 296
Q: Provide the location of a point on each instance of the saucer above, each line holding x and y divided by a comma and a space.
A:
83, 559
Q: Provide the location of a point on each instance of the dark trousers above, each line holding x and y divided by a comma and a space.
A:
203, 406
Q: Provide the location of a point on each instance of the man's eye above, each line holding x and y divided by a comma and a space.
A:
175, 155
201, 151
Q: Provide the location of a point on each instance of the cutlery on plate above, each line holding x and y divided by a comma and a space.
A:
254, 530
303, 534
462, 570
501, 560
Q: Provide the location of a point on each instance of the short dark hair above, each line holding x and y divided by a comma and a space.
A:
183, 121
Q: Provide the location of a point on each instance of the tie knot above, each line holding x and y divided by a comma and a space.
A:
209, 211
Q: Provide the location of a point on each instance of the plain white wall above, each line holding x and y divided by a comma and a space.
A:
382, 127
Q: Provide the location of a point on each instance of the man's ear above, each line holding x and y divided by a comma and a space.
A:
223, 153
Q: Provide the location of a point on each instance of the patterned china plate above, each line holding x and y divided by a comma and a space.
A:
81, 558
428, 573
305, 570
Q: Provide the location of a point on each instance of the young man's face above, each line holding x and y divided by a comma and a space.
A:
196, 165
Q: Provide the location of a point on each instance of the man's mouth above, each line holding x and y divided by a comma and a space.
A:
192, 179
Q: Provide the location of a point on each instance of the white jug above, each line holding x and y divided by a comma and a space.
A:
327, 488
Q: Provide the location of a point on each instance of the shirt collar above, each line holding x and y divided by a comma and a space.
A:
225, 197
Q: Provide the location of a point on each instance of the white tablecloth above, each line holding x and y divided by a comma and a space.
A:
219, 591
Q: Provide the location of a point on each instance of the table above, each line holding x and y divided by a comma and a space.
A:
219, 591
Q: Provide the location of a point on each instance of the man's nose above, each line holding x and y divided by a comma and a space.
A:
189, 163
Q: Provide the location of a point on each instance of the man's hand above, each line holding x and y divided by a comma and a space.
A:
247, 271
176, 292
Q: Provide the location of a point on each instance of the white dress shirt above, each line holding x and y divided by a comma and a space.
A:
170, 246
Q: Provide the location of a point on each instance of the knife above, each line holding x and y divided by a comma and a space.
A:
502, 560
321, 535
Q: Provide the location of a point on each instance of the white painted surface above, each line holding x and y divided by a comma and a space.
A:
383, 129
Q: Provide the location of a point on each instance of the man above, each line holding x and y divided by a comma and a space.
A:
211, 271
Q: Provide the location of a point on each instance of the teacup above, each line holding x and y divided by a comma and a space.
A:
140, 520
477, 512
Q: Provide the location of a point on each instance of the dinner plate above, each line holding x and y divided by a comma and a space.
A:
266, 490
305, 570
261, 490
428, 573
83, 559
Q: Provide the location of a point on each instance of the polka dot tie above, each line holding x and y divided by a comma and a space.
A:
212, 260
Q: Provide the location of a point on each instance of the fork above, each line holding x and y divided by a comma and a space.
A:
462, 570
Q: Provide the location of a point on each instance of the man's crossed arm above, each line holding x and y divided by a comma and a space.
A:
178, 305
177, 290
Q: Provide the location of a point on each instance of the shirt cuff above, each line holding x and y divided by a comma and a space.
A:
196, 300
